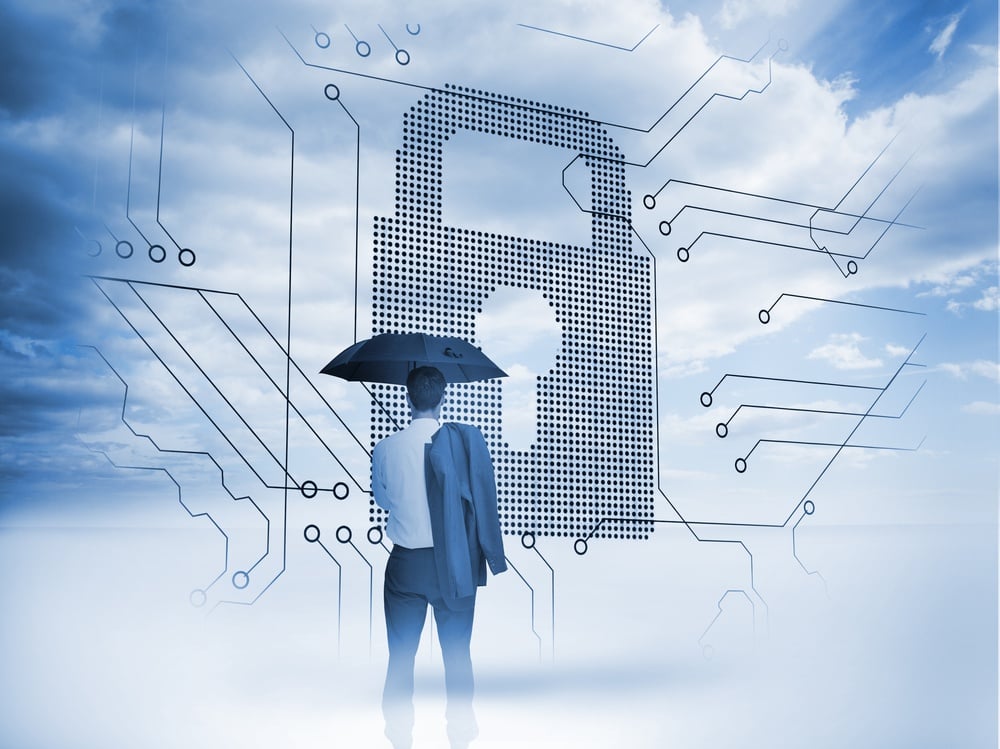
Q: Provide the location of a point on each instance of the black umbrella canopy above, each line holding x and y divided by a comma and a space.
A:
389, 357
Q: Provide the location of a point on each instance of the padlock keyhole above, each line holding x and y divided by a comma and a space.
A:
518, 329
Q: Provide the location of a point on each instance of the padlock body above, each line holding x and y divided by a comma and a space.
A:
591, 470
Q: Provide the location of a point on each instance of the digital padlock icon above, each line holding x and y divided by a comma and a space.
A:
591, 469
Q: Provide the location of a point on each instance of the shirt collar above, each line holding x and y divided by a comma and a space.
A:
425, 423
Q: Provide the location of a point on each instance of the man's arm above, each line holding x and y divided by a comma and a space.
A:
379, 492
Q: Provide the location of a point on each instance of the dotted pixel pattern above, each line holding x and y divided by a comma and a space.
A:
591, 468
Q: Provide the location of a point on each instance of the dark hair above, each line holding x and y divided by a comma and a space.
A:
425, 386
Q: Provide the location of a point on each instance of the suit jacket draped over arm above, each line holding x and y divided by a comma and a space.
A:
462, 498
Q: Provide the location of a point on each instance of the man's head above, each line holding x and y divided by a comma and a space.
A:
425, 386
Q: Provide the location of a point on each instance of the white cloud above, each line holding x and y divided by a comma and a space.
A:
734, 12
26, 347
798, 127
684, 369
959, 281
988, 369
943, 39
981, 368
692, 427
955, 370
843, 352
953, 285
674, 474
984, 408
895, 350
989, 301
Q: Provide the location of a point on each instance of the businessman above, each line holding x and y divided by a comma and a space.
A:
438, 486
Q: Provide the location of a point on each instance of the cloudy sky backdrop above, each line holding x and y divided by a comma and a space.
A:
249, 135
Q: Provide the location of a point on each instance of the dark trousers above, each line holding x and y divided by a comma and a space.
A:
411, 583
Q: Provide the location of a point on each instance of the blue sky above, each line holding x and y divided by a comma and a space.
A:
912, 48
135, 122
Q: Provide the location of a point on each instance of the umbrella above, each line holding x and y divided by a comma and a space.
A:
389, 357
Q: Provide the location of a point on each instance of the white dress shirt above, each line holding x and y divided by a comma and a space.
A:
398, 484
